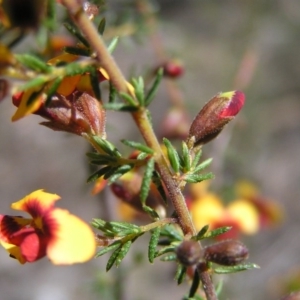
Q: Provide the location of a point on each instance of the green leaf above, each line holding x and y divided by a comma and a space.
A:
217, 231
158, 183
180, 274
234, 269
172, 155
196, 159
33, 63
109, 173
138, 85
186, 158
52, 90
138, 146
107, 146
170, 257
128, 98
203, 165
201, 234
146, 182
113, 44
75, 68
51, 15
153, 90
151, 212
77, 51
74, 31
120, 107
113, 258
111, 247
99, 173
112, 93
195, 284
123, 251
153, 244
164, 250
171, 232
97, 158
94, 79
38, 81
120, 171
194, 178
101, 26
219, 287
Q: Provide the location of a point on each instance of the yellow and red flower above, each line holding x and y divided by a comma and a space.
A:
54, 232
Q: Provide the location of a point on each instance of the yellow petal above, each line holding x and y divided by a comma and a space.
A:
38, 201
66, 57
206, 210
68, 85
73, 240
14, 251
24, 109
245, 214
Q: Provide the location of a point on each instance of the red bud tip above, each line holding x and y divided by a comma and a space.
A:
237, 101
16, 98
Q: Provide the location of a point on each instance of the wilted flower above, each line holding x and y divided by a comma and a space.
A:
54, 232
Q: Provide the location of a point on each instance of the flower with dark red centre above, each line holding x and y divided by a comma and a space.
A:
54, 232
212, 118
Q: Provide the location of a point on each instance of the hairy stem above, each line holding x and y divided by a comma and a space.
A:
141, 119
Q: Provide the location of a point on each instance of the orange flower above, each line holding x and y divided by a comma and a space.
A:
54, 232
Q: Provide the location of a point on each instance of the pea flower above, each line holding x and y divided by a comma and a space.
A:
51, 231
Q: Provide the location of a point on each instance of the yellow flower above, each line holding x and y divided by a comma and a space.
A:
51, 231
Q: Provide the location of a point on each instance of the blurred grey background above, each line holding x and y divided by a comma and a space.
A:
212, 38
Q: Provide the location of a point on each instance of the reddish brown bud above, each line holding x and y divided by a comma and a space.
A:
77, 113
189, 253
226, 253
292, 296
214, 116
172, 68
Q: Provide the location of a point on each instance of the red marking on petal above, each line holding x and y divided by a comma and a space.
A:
33, 246
35, 208
235, 104
8, 226
16, 98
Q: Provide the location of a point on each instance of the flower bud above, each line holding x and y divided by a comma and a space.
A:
189, 253
226, 253
171, 68
77, 113
214, 116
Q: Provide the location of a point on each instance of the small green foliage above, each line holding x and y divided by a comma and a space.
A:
172, 155
217, 232
33, 62
112, 93
120, 171
99, 173
202, 165
138, 146
158, 183
107, 146
180, 273
101, 26
52, 90
201, 234
153, 244
194, 178
186, 158
169, 257
138, 85
77, 51
106, 249
120, 107
113, 44
128, 98
234, 269
123, 251
95, 82
171, 232
75, 32
153, 90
